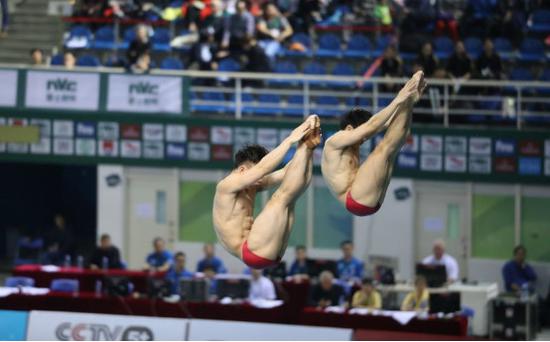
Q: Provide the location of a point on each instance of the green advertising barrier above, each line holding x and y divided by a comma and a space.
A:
494, 155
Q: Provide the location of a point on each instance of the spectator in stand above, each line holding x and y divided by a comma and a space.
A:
37, 57
326, 293
210, 260
204, 53
177, 272
419, 15
239, 29
419, 298
426, 60
142, 65
349, 267
90, 8
459, 65
488, 64
517, 273
69, 61
300, 267
105, 255
367, 296
216, 21
439, 257
160, 259
58, 242
391, 66
140, 45
308, 13
476, 16
210, 275
510, 20
5, 18
261, 287
273, 30
382, 13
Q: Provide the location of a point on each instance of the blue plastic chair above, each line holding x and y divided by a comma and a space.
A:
443, 47
57, 59
297, 103
228, 64
327, 101
473, 46
216, 103
161, 40
303, 39
329, 46
79, 32
171, 63
540, 21
342, 69
268, 104
359, 46
314, 68
19, 281
285, 67
104, 38
504, 48
545, 77
65, 285
28, 251
88, 61
531, 50
382, 42
128, 36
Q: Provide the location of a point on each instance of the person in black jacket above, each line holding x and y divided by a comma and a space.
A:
140, 45
105, 250
59, 242
326, 293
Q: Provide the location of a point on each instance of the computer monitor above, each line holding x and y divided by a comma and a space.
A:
118, 286
436, 275
276, 272
159, 288
232, 287
447, 302
194, 290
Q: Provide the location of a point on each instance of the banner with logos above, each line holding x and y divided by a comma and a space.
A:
429, 153
8, 94
72, 326
13, 325
211, 330
62, 90
144, 93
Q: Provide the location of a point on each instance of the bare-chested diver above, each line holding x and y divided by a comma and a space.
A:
261, 242
361, 188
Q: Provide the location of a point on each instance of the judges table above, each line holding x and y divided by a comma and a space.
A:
475, 296
89, 302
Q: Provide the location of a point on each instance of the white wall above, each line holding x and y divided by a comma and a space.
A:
110, 205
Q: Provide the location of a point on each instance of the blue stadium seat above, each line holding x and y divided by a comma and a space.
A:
329, 46
268, 104
80, 37
19, 281
545, 77
297, 103
520, 74
28, 251
65, 285
540, 21
171, 63
314, 68
104, 38
382, 42
343, 69
216, 103
443, 47
88, 61
363, 102
473, 46
229, 64
321, 104
57, 59
504, 48
303, 39
359, 46
161, 40
531, 50
128, 36
284, 67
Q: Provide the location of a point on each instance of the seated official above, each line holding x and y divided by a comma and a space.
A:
211, 260
210, 274
177, 272
349, 267
326, 293
261, 287
439, 257
367, 296
300, 266
105, 252
518, 273
160, 260
419, 298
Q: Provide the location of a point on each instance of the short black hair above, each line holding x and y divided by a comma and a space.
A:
250, 153
178, 254
157, 239
345, 242
518, 248
300, 247
104, 237
33, 50
368, 281
355, 117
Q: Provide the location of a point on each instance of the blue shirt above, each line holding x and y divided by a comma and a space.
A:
216, 263
297, 268
351, 269
513, 273
175, 276
158, 259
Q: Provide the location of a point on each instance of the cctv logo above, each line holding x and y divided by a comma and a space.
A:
101, 332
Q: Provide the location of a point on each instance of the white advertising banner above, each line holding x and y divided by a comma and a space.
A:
71, 326
62, 90
8, 94
210, 330
149, 94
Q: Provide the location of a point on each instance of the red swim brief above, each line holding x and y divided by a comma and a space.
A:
256, 261
359, 209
